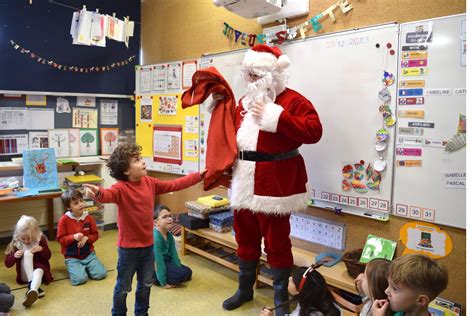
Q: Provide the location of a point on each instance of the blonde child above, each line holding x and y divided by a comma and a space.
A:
29, 251
413, 282
372, 283
169, 270
309, 290
134, 193
77, 233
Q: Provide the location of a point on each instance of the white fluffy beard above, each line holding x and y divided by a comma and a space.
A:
265, 89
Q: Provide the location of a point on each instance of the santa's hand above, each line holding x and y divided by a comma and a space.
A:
257, 109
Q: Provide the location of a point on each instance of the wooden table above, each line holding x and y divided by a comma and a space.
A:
49, 197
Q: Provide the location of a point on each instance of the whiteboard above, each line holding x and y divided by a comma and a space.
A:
341, 75
421, 192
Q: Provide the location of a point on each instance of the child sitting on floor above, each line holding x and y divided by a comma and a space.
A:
309, 289
413, 282
372, 283
77, 233
29, 252
169, 270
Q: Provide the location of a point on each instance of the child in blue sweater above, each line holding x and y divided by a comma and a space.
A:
169, 270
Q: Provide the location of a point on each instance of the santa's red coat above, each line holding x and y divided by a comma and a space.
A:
274, 187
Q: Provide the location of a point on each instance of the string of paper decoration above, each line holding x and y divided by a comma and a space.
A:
62, 67
92, 28
288, 34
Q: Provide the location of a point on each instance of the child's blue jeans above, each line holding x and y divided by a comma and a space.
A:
131, 260
80, 270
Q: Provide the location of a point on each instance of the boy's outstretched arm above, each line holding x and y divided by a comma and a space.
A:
100, 194
178, 184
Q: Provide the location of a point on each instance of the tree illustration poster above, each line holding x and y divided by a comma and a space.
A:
59, 140
40, 169
108, 140
89, 142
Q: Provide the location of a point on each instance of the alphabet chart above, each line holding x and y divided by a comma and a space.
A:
318, 230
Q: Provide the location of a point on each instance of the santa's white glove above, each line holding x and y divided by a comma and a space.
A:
268, 119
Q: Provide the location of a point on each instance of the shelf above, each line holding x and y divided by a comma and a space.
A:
81, 161
336, 276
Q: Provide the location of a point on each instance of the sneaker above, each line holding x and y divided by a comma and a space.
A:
41, 293
30, 297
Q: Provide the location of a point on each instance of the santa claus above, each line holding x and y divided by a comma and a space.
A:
269, 179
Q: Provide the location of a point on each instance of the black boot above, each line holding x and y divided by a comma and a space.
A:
280, 286
247, 276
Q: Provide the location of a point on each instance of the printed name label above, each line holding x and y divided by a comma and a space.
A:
437, 91
421, 124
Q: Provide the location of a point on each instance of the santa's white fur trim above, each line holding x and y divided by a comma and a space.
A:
270, 116
242, 193
259, 60
271, 204
283, 62
274, 205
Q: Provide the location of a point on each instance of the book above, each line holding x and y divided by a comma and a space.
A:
377, 247
213, 200
88, 178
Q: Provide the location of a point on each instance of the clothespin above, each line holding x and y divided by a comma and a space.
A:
84, 7
96, 10
113, 14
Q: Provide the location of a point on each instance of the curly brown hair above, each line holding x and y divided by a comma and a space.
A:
118, 162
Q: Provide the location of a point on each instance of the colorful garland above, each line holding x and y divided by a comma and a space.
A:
71, 68
289, 34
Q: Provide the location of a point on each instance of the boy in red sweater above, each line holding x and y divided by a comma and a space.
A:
134, 193
77, 233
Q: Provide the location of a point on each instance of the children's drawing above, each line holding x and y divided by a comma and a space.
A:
74, 146
88, 141
108, 140
40, 169
38, 140
59, 140
168, 105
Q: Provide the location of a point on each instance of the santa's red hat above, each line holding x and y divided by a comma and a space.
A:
266, 57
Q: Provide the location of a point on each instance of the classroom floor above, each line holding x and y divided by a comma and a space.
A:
211, 284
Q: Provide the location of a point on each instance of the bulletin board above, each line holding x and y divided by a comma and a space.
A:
120, 118
168, 134
44, 30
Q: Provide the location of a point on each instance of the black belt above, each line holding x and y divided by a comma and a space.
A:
256, 156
